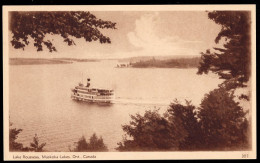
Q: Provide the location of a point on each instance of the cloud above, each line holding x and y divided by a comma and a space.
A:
148, 35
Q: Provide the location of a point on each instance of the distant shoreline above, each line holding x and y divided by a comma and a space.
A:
39, 61
168, 63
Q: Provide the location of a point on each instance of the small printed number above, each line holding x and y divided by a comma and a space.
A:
244, 155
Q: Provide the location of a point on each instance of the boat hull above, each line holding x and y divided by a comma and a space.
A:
92, 100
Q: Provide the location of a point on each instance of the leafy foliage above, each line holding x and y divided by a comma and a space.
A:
218, 124
222, 121
13, 145
95, 144
148, 132
13, 135
184, 120
67, 24
234, 60
35, 145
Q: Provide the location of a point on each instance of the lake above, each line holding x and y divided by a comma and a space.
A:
40, 100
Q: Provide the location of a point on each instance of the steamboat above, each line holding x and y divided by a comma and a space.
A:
83, 92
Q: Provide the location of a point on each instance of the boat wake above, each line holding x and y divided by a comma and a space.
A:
129, 101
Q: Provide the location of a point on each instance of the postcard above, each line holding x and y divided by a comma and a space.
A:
129, 82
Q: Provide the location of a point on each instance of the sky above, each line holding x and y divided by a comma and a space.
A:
138, 33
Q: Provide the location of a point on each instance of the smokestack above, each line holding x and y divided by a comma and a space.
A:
88, 83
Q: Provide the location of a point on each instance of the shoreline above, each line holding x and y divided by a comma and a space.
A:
41, 61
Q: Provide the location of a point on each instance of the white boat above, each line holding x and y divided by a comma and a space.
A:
97, 95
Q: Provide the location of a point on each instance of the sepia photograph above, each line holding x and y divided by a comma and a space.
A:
129, 82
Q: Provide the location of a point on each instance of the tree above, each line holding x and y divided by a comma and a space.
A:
67, 24
218, 124
184, 121
13, 145
222, 121
95, 144
35, 146
150, 132
177, 129
234, 60
13, 135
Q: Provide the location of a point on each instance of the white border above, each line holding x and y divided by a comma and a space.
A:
128, 155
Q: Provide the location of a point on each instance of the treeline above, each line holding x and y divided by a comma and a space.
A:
218, 124
94, 144
170, 63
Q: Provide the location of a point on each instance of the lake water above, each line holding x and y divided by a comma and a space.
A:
40, 100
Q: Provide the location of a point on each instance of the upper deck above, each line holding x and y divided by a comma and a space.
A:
80, 88
94, 91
